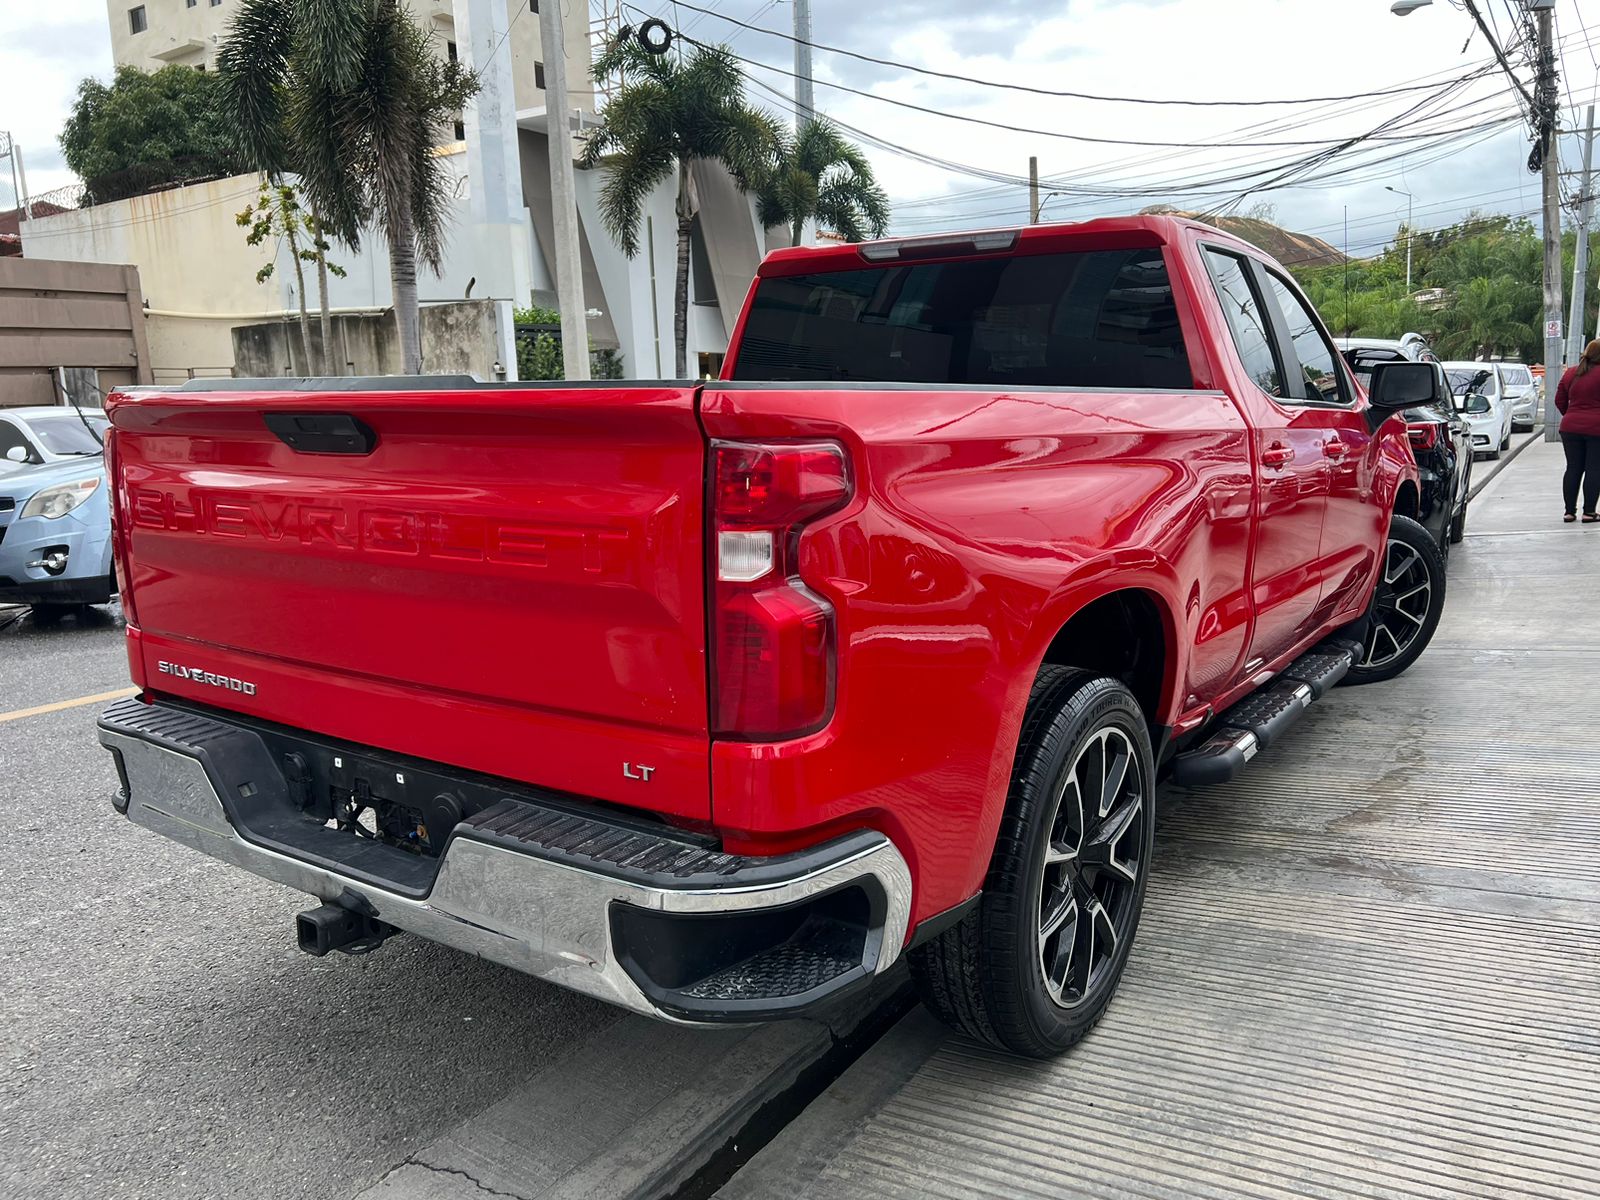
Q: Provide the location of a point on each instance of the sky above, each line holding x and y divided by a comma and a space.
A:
1447, 154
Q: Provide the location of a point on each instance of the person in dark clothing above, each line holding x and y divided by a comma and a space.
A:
1578, 401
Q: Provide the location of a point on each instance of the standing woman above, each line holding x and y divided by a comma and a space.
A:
1578, 401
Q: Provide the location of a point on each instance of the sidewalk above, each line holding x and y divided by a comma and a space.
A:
1370, 966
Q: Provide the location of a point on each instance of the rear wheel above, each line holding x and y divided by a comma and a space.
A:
1406, 604
1034, 966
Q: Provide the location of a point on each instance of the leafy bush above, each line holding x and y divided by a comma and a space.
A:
539, 349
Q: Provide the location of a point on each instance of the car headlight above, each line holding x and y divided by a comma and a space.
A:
58, 501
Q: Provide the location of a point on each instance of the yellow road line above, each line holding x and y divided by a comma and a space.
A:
99, 698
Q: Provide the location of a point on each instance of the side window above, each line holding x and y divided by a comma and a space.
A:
1318, 363
11, 436
1246, 321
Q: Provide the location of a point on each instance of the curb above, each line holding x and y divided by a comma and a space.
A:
643, 1110
1505, 461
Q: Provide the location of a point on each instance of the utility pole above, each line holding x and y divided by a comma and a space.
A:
804, 105
1546, 119
1033, 190
1580, 264
1410, 231
564, 196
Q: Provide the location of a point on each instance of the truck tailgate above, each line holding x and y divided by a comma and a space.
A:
511, 580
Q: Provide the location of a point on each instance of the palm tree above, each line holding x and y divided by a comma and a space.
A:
1482, 319
349, 95
666, 114
822, 175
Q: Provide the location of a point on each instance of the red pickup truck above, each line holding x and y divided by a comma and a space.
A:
715, 699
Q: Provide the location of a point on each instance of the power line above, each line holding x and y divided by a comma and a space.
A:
1062, 135
1037, 91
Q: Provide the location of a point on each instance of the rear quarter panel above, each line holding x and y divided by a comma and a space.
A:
982, 521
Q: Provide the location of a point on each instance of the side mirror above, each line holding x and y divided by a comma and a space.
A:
1398, 385
16, 454
1477, 404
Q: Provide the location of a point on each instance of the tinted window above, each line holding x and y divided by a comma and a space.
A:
1317, 360
1104, 318
1249, 327
66, 434
1461, 380
1361, 362
10, 437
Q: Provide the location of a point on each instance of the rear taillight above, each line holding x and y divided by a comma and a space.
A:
774, 640
119, 531
1423, 437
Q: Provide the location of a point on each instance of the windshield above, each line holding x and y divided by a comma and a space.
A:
1461, 381
66, 435
1517, 376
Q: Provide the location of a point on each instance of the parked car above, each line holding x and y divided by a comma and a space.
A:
55, 511
1490, 422
1408, 347
714, 700
1441, 442
1521, 392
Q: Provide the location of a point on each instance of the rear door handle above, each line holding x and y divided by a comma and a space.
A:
1336, 449
1277, 455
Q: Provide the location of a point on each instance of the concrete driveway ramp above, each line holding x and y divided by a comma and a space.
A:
1370, 967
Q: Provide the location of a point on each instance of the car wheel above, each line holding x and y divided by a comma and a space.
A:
1032, 968
1406, 604
1505, 442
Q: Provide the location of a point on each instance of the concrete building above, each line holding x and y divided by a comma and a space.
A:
152, 34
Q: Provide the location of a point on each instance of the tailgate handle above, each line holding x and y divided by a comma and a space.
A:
322, 433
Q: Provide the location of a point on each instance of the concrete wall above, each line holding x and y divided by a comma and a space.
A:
199, 276
68, 314
458, 338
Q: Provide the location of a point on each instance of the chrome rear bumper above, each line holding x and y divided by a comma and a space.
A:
508, 898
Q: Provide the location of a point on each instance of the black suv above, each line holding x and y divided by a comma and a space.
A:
1441, 442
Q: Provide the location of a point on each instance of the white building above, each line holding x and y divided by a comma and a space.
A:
152, 34
199, 277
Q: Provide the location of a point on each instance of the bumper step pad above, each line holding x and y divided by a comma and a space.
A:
1263, 717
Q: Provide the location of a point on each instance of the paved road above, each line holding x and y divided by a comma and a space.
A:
161, 1035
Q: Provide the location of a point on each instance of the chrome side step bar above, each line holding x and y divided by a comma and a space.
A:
1262, 717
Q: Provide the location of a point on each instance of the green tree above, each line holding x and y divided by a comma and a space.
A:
350, 96
666, 114
277, 213
539, 348
145, 129
1482, 320
821, 174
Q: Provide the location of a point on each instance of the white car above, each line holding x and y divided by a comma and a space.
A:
1481, 400
1521, 391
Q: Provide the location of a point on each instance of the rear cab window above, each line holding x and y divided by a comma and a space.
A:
1094, 318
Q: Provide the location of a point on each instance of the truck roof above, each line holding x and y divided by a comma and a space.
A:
1145, 229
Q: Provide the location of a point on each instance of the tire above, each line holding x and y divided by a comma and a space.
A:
1402, 618
986, 976
1505, 443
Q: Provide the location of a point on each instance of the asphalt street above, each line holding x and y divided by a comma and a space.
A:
162, 1035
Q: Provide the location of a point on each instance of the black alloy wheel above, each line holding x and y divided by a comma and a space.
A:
1034, 965
1092, 866
1406, 603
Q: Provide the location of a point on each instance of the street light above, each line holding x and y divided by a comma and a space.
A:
1404, 8
1399, 192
